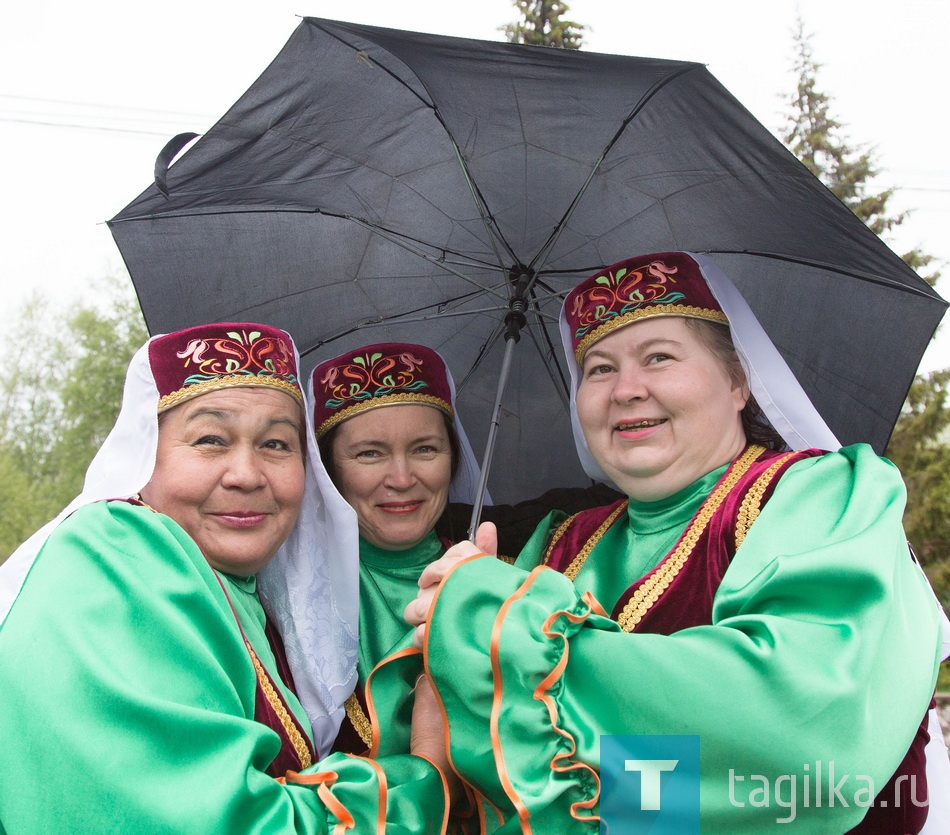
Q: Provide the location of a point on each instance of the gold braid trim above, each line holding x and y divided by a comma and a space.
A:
752, 503
275, 701
227, 382
658, 582
358, 719
578, 562
688, 311
385, 400
561, 530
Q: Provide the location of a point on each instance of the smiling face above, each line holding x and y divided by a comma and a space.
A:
230, 471
658, 408
393, 465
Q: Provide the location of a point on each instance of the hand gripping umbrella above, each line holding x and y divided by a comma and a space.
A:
378, 185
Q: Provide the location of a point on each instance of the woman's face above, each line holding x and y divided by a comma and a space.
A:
393, 465
230, 471
658, 408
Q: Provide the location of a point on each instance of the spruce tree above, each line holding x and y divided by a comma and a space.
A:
919, 445
817, 138
543, 24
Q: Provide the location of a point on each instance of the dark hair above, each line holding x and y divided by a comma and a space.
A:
325, 445
755, 424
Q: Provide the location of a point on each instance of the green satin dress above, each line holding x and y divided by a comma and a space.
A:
824, 645
129, 698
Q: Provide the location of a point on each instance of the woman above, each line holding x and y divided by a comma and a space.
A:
140, 677
393, 445
774, 609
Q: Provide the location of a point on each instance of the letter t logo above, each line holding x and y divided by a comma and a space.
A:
650, 771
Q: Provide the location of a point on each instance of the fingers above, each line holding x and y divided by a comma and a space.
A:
419, 637
486, 538
417, 611
428, 731
436, 571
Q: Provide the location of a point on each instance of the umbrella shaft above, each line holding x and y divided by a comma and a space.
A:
490, 442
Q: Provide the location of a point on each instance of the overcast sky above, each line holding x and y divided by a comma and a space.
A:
91, 92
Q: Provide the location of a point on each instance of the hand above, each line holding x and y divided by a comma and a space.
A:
417, 612
428, 732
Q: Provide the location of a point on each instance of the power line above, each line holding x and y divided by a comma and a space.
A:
83, 127
120, 107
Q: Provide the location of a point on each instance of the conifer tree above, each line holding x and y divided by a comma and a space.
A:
543, 24
817, 138
919, 445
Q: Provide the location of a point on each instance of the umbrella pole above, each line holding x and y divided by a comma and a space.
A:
515, 321
490, 443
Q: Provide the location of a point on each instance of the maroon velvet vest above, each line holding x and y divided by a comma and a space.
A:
678, 593
271, 709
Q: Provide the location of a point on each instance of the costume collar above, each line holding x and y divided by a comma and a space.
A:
422, 553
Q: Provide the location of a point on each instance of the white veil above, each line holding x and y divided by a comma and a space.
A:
323, 548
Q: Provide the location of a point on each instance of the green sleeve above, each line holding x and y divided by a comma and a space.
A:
533, 551
128, 702
823, 646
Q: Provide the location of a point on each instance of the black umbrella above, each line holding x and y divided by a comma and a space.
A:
378, 185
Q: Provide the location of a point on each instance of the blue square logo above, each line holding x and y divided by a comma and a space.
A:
649, 784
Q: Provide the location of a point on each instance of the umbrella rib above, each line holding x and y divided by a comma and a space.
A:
408, 317
403, 241
550, 363
493, 337
881, 281
542, 255
491, 227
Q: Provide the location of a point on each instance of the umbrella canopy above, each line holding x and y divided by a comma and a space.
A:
380, 185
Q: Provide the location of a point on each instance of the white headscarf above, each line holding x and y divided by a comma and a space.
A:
776, 389
312, 584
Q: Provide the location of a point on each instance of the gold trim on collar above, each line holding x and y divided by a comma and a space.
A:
358, 719
277, 703
752, 503
577, 563
642, 600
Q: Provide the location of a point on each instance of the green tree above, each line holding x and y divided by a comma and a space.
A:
543, 24
817, 138
60, 392
919, 444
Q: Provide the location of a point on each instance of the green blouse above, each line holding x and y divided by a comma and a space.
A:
129, 699
389, 581
634, 548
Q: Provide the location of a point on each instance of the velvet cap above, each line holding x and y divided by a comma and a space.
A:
222, 355
660, 284
385, 374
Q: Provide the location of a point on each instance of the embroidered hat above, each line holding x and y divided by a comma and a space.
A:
661, 284
221, 355
387, 374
